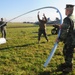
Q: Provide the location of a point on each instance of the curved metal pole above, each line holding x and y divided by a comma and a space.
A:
39, 9
56, 43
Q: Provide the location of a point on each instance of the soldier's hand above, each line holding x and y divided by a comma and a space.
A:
60, 26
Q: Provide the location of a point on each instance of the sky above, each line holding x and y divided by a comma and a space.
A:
10, 9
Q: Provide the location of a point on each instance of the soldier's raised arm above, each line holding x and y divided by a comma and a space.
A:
45, 17
38, 16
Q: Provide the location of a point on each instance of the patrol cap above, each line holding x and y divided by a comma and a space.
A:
69, 6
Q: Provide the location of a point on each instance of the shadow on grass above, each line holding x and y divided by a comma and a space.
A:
49, 35
25, 45
57, 71
44, 73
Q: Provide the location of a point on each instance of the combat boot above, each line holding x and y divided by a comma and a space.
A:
68, 68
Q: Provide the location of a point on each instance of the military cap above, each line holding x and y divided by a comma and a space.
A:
69, 6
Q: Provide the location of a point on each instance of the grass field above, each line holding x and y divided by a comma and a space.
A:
22, 55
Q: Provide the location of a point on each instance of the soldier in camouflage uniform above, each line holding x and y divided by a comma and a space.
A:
3, 28
67, 31
42, 27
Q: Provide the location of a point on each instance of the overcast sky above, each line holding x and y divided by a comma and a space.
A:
12, 8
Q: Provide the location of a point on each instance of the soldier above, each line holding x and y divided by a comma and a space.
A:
42, 27
3, 28
67, 31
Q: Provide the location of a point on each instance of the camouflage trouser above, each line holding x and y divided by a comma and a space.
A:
68, 54
3, 31
42, 32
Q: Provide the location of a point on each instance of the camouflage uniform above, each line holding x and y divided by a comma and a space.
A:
3, 29
42, 28
68, 38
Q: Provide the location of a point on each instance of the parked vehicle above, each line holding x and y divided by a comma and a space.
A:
55, 30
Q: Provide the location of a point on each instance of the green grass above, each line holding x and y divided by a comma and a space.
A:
22, 55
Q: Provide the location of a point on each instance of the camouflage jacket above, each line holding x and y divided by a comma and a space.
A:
2, 22
67, 31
